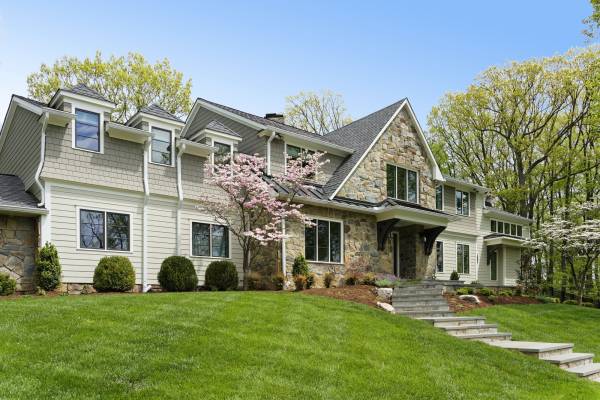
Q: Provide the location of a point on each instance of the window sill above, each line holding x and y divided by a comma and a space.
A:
211, 257
325, 262
162, 165
104, 251
87, 151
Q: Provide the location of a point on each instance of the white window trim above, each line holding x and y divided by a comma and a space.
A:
100, 127
172, 133
468, 214
456, 256
342, 241
443, 196
443, 255
418, 183
105, 250
191, 230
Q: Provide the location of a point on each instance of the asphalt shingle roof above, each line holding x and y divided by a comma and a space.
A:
32, 101
84, 90
219, 127
501, 235
158, 111
13, 194
357, 135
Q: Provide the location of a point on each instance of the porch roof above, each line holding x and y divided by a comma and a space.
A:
500, 239
15, 200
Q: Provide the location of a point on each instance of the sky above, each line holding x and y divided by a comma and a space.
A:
252, 54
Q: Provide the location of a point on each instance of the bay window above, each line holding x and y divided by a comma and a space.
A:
323, 241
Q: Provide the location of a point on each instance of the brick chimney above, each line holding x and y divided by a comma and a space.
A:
275, 117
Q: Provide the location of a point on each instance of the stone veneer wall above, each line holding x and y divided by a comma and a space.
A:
18, 243
399, 145
360, 242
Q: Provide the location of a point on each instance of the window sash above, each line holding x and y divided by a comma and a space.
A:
222, 153
118, 231
462, 202
323, 242
462, 258
402, 183
210, 240
519, 231
104, 230
87, 130
439, 197
493, 226
161, 146
439, 256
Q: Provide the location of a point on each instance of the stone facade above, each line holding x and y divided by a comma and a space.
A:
18, 243
399, 145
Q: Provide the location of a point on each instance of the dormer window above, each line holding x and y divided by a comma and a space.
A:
161, 146
87, 130
222, 153
402, 183
295, 153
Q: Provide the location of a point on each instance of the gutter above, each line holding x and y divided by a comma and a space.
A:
145, 286
180, 151
24, 210
45, 116
273, 134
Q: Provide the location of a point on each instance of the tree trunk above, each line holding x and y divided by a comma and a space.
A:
245, 266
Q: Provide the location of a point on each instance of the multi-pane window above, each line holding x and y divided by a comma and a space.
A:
222, 153
402, 183
462, 202
462, 258
210, 240
161, 146
104, 230
439, 197
323, 241
295, 152
506, 228
439, 256
87, 130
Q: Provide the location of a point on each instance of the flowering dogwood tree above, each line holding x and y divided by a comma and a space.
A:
574, 232
250, 206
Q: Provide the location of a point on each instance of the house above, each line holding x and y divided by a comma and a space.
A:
95, 187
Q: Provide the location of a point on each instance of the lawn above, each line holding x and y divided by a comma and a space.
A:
238, 345
549, 323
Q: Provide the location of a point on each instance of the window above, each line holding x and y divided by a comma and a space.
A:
506, 228
104, 230
519, 231
493, 263
87, 130
493, 226
439, 256
439, 197
323, 241
500, 227
513, 229
161, 146
462, 258
402, 183
462, 202
210, 240
295, 152
222, 153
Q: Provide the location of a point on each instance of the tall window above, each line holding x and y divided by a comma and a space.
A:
462, 258
462, 202
161, 146
493, 263
439, 256
210, 240
104, 230
87, 130
439, 197
402, 183
222, 153
323, 241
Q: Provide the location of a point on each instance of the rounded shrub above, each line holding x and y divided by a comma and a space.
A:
221, 275
177, 274
485, 292
7, 284
47, 268
114, 274
570, 302
300, 266
454, 276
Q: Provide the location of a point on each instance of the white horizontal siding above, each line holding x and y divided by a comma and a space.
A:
450, 257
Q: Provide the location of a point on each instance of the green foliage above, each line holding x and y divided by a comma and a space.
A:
177, 274
7, 284
278, 281
328, 279
47, 268
368, 278
492, 298
588, 304
221, 275
300, 282
454, 276
114, 274
310, 280
593, 21
485, 292
548, 300
300, 266
384, 283
465, 290
352, 278
130, 82
506, 293
316, 112
571, 302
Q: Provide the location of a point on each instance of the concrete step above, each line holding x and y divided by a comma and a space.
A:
537, 349
417, 303
488, 337
589, 371
440, 322
411, 296
399, 291
571, 360
433, 307
466, 330
426, 314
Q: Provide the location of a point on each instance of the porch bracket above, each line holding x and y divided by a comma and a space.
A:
430, 235
383, 231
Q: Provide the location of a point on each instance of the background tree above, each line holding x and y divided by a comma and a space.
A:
316, 112
593, 21
130, 82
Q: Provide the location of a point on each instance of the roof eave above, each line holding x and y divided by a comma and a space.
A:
18, 210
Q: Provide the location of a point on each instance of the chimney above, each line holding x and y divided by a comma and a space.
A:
275, 117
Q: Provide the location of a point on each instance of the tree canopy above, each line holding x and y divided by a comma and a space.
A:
593, 21
316, 112
130, 82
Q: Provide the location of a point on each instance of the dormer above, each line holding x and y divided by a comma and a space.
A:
90, 111
220, 137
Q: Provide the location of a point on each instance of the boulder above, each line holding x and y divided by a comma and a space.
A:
385, 294
386, 307
469, 297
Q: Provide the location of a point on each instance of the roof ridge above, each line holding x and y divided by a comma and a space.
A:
399, 102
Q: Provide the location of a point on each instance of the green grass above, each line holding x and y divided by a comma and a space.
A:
549, 323
239, 345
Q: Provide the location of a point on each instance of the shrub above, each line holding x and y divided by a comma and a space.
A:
300, 266
454, 276
545, 299
369, 278
7, 285
300, 282
47, 268
221, 275
485, 292
278, 281
310, 280
114, 274
254, 280
328, 279
352, 278
587, 304
384, 283
519, 290
570, 302
177, 274
464, 290
492, 298
506, 293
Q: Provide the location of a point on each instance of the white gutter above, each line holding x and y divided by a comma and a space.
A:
180, 151
145, 286
38, 172
24, 210
273, 134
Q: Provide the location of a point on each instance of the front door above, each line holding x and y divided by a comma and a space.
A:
395, 254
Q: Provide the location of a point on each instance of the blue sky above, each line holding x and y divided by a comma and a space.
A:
250, 55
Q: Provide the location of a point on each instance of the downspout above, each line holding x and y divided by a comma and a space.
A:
38, 172
180, 151
283, 252
273, 134
145, 286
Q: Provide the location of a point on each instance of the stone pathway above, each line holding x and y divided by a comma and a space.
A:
425, 302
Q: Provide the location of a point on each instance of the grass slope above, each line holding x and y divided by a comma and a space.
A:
549, 323
238, 345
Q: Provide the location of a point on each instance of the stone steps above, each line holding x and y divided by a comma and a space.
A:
434, 307
539, 350
426, 314
440, 322
488, 337
588, 371
419, 303
462, 330
571, 360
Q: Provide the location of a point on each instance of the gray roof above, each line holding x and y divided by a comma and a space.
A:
13, 194
219, 127
83, 90
32, 101
501, 235
358, 135
158, 111
508, 214
452, 179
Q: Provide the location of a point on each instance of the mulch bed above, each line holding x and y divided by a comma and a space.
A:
363, 294
458, 305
